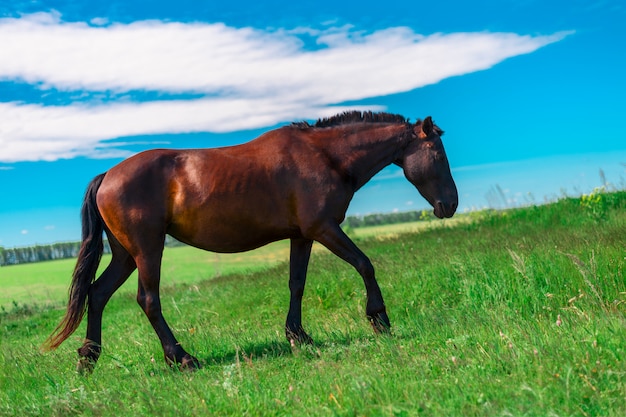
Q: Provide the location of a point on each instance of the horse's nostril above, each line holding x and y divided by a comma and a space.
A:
446, 209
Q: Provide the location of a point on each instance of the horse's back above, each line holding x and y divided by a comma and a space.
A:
226, 199
221, 199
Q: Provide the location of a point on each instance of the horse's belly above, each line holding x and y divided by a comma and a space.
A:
227, 244
229, 234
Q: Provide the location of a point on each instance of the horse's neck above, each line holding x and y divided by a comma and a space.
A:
372, 149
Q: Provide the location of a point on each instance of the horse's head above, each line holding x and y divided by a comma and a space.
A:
426, 166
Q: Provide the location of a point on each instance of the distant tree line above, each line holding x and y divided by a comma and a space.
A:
39, 253
378, 219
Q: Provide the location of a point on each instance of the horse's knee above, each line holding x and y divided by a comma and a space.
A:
296, 288
365, 268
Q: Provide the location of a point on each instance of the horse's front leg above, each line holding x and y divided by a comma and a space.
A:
298, 264
341, 245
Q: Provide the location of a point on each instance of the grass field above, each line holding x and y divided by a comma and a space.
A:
45, 284
517, 313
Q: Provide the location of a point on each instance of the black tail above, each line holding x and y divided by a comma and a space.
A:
86, 266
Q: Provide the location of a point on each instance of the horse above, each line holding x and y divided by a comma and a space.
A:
294, 182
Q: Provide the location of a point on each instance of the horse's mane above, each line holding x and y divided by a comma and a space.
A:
356, 116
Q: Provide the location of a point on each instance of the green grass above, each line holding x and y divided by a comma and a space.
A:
46, 283
517, 313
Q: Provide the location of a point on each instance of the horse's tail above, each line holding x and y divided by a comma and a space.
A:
86, 266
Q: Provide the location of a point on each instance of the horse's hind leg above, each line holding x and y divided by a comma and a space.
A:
149, 299
118, 271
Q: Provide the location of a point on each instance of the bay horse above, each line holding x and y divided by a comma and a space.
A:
294, 182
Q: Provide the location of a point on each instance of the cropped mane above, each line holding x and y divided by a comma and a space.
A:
353, 117
356, 116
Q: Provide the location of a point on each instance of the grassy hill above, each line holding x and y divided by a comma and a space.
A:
521, 312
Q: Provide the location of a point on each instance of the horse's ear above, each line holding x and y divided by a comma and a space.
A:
426, 127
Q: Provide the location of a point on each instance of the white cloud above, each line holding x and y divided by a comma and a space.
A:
35, 132
250, 78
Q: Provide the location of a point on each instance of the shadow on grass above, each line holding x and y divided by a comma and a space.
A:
325, 343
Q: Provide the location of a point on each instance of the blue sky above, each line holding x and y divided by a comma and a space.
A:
530, 93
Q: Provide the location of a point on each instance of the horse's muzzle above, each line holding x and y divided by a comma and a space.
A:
445, 209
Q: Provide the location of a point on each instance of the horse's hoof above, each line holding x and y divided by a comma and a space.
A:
190, 363
186, 363
299, 337
89, 353
85, 366
380, 323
